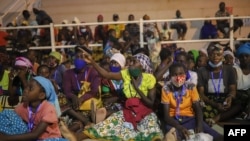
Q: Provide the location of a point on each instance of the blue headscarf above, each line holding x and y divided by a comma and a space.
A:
244, 48
50, 92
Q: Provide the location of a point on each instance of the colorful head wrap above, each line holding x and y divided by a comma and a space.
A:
23, 62
244, 48
50, 92
145, 62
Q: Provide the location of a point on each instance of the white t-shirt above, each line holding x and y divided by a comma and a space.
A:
243, 81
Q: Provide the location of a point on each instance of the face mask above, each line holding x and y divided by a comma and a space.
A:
215, 65
79, 64
83, 30
134, 72
115, 69
179, 80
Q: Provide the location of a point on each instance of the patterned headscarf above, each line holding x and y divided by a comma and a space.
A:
145, 62
50, 92
24, 62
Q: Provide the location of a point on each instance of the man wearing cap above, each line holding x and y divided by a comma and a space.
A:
117, 27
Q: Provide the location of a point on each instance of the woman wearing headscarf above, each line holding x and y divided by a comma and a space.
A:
112, 94
229, 58
217, 88
136, 121
57, 69
243, 77
194, 54
18, 79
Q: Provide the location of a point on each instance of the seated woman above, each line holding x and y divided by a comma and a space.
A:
217, 88
57, 69
243, 77
136, 121
81, 83
18, 79
112, 95
181, 105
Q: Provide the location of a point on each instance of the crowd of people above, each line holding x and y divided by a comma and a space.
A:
125, 92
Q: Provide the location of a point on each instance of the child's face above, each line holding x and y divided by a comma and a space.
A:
202, 62
44, 72
178, 76
33, 92
190, 64
178, 71
181, 59
229, 60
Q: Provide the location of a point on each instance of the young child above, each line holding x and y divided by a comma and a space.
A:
39, 110
181, 105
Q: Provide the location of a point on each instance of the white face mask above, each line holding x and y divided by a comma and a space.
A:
214, 65
83, 30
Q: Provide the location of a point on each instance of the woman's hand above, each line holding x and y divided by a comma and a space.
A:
227, 103
13, 74
134, 83
86, 56
220, 107
75, 102
198, 128
184, 132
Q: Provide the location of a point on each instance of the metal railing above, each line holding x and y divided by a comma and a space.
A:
18, 6
141, 22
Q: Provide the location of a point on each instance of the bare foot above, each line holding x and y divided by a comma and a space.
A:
101, 114
171, 135
65, 132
